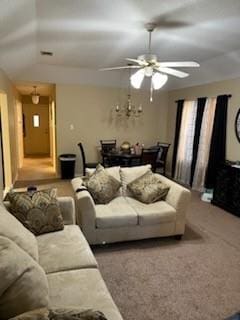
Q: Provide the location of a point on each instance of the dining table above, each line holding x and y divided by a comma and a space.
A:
120, 158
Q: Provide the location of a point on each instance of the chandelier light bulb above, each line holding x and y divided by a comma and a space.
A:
159, 80
137, 78
140, 108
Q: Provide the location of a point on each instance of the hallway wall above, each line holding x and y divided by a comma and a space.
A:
12, 97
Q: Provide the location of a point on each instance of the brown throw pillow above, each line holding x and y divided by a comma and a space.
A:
61, 314
102, 186
38, 211
148, 188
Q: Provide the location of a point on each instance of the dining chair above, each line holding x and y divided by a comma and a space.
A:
149, 156
84, 163
106, 147
162, 156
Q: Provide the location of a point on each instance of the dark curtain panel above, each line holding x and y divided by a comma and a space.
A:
200, 109
177, 133
217, 152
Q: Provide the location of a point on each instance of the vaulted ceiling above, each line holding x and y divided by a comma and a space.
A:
85, 35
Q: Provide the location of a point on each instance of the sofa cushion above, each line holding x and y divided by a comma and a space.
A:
83, 288
117, 213
113, 171
65, 250
153, 213
130, 174
38, 211
102, 186
148, 188
23, 284
61, 314
11, 228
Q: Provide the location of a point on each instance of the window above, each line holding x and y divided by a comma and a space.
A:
36, 121
184, 159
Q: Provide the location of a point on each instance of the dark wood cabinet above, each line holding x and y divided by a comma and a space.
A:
226, 193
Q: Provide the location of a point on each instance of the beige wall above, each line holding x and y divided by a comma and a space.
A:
12, 98
209, 90
89, 109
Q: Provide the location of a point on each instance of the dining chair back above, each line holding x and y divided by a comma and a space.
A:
84, 163
107, 146
162, 156
149, 156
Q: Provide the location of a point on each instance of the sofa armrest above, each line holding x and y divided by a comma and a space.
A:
179, 198
76, 183
86, 213
67, 206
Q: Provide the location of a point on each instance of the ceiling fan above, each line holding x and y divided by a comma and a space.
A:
149, 66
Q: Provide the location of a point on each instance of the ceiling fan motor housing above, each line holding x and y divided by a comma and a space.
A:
148, 58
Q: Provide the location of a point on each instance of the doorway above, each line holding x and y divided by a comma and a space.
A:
36, 127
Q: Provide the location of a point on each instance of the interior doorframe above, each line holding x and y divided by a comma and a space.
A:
52, 132
6, 152
19, 133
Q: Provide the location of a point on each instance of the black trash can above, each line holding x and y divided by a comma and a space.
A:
67, 165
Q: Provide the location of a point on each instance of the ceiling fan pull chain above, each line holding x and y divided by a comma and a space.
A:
151, 92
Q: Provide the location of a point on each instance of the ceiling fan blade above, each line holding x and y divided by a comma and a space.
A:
140, 62
118, 68
192, 64
173, 72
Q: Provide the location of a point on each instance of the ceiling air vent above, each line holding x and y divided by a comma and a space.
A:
46, 53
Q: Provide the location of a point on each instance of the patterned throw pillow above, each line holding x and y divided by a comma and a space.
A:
61, 314
102, 186
38, 211
148, 188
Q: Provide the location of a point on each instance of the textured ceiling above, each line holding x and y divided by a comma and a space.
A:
85, 35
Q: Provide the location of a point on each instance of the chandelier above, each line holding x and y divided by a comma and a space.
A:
35, 96
128, 109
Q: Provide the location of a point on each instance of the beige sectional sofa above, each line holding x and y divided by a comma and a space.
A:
126, 218
71, 270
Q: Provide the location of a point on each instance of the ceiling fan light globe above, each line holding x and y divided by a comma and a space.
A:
148, 71
159, 80
137, 78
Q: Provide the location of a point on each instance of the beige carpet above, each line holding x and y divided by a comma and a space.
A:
197, 278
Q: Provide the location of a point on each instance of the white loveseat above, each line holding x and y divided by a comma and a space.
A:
126, 218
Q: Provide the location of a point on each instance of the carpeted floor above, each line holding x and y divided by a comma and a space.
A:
197, 278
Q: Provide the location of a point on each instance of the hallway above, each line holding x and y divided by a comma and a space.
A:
36, 168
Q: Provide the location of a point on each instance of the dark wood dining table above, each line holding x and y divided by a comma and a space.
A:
121, 158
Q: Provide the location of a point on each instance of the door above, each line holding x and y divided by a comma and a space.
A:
36, 130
